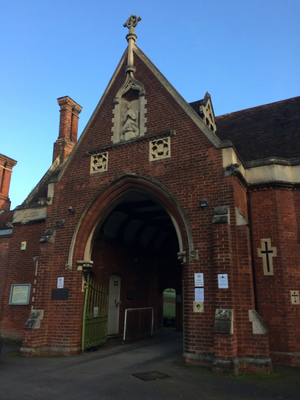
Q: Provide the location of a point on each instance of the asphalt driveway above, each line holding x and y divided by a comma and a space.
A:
108, 374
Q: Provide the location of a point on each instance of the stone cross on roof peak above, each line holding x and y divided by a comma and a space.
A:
131, 37
131, 23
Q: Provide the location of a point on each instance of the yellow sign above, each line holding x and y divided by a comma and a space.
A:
198, 306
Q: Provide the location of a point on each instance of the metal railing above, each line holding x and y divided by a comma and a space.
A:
138, 323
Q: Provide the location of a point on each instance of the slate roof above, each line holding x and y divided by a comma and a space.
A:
271, 130
41, 189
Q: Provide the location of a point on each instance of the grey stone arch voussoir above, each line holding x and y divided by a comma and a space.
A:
109, 197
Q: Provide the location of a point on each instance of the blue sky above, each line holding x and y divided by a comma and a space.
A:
244, 53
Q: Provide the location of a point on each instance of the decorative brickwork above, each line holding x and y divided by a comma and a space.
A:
68, 128
6, 166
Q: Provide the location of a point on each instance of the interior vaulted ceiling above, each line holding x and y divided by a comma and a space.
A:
139, 221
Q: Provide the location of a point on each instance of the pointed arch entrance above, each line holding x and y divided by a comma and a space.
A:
136, 242
135, 230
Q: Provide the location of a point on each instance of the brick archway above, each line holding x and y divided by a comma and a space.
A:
108, 198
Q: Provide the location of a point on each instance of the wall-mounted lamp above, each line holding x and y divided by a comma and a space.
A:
203, 203
60, 224
71, 210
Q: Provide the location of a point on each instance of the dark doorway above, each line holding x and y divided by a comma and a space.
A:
138, 242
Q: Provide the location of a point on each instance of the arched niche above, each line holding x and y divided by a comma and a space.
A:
129, 120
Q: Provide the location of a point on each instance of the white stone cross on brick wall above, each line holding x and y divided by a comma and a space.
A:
295, 297
267, 252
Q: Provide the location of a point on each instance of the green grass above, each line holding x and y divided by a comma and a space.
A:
259, 377
169, 310
169, 295
169, 303
14, 353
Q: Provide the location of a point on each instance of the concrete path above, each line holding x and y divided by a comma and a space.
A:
107, 374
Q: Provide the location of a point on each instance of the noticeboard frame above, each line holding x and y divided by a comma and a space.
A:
20, 294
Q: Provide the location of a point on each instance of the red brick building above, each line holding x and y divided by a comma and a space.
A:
159, 193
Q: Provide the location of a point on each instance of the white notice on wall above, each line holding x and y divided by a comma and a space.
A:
199, 281
60, 283
222, 281
199, 295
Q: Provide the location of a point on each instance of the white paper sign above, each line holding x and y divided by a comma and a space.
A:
96, 312
60, 283
222, 281
199, 281
199, 295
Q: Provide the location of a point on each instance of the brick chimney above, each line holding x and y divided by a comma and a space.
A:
6, 166
68, 128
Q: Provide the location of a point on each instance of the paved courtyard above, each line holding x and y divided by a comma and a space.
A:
107, 374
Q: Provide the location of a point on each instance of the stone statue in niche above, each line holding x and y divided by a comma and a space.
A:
130, 123
129, 120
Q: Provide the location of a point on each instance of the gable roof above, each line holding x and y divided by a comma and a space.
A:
268, 131
40, 191
205, 110
206, 131
190, 111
